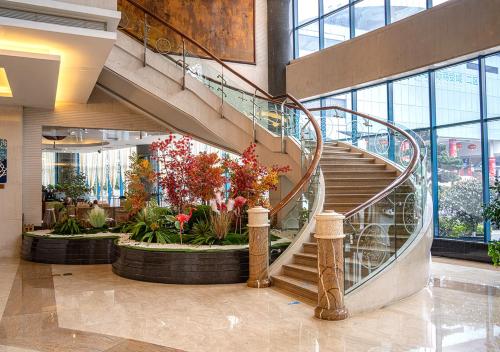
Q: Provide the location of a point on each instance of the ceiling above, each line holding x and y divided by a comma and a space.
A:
48, 63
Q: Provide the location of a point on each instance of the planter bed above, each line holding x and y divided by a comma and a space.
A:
42, 247
182, 264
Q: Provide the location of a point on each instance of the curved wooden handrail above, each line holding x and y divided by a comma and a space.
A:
401, 178
319, 142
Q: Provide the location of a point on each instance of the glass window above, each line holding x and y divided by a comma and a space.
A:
368, 15
373, 101
337, 27
457, 93
411, 101
331, 5
492, 67
437, 2
403, 8
308, 39
307, 10
337, 124
459, 182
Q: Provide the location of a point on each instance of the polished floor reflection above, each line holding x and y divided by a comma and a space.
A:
88, 308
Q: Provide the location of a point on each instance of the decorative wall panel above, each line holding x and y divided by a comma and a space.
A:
3, 161
225, 27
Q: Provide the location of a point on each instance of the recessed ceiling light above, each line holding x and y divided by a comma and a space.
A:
5, 90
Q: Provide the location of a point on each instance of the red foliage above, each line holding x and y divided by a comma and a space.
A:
251, 179
186, 177
177, 162
206, 176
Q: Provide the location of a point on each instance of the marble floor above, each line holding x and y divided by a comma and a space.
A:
88, 308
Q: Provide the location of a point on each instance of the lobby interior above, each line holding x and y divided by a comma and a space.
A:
252, 175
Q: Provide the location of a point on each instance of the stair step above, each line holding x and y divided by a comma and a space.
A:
336, 148
349, 173
358, 181
301, 272
345, 159
359, 189
307, 259
347, 197
310, 247
328, 153
295, 286
325, 166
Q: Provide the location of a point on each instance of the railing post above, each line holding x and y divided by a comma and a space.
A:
183, 64
283, 147
330, 237
146, 34
254, 111
222, 93
258, 247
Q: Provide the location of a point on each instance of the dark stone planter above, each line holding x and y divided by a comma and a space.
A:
68, 251
459, 249
182, 267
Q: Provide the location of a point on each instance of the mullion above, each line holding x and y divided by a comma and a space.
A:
484, 144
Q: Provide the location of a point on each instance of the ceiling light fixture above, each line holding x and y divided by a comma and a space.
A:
5, 90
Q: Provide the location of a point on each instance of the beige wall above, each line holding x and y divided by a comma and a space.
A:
103, 4
102, 111
11, 128
450, 31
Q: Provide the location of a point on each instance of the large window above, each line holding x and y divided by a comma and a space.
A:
411, 101
460, 189
404, 8
319, 24
368, 15
455, 112
457, 93
492, 69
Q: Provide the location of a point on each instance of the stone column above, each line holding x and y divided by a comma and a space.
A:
258, 243
330, 235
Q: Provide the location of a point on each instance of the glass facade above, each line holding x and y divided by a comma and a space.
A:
456, 112
319, 24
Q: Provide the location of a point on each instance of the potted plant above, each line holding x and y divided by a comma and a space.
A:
492, 212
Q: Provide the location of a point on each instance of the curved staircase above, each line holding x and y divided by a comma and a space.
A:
352, 177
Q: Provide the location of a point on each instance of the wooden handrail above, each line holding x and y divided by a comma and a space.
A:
319, 142
401, 178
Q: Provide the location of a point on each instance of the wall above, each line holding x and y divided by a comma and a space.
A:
103, 4
11, 128
451, 31
102, 111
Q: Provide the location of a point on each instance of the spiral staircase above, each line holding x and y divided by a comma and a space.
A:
370, 170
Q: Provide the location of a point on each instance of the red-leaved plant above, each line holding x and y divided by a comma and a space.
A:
176, 165
252, 180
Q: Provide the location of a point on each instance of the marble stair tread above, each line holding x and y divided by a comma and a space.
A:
299, 287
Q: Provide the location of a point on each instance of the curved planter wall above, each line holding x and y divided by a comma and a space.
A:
182, 267
68, 251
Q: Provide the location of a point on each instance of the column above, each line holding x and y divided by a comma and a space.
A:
330, 236
258, 247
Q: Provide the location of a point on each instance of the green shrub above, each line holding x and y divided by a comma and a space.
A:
458, 230
201, 213
67, 226
153, 224
494, 252
97, 217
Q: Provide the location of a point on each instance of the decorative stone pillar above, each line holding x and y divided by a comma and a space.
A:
330, 235
258, 247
